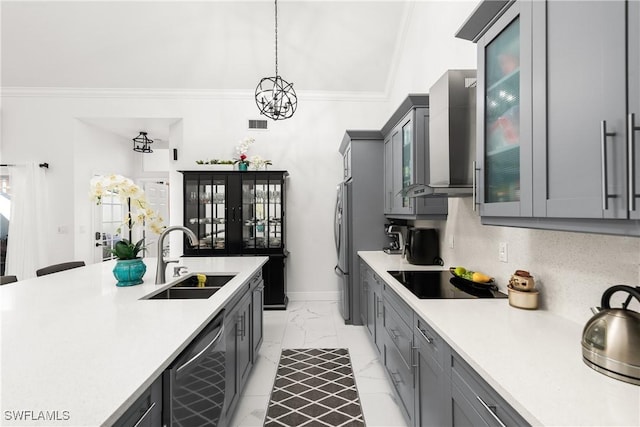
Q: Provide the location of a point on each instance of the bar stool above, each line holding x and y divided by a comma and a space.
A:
59, 267
7, 279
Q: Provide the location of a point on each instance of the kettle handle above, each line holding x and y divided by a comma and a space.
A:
606, 296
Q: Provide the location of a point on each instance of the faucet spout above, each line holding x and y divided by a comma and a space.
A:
162, 263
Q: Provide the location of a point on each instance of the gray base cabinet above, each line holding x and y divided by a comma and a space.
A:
372, 305
433, 385
146, 411
475, 403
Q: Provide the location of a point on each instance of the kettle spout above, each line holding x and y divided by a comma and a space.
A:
595, 310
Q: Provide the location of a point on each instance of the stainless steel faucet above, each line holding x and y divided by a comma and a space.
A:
162, 263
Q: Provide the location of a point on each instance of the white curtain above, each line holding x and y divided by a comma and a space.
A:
26, 246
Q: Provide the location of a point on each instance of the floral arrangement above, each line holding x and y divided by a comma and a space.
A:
259, 163
242, 149
139, 211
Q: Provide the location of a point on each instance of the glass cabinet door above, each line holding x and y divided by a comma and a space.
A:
205, 210
407, 159
262, 214
505, 82
502, 116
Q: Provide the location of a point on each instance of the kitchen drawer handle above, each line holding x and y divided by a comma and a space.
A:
491, 409
603, 149
394, 380
378, 305
631, 154
424, 335
141, 419
394, 335
204, 350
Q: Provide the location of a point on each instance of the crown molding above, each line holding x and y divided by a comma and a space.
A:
68, 92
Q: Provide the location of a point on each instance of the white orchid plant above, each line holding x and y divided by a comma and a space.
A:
242, 149
139, 211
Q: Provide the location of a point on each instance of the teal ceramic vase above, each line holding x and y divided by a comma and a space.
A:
129, 272
242, 166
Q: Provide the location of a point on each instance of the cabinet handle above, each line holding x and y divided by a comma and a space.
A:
394, 380
141, 419
631, 153
233, 214
492, 410
394, 335
603, 149
424, 335
414, 358
378, 313
475, 186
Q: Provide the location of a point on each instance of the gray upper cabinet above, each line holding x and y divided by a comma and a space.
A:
581, 158
406, 161
558, 114
633, 73
504, 156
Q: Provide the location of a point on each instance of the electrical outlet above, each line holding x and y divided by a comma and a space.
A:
502, 252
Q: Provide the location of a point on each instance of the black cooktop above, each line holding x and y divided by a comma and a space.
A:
442, 285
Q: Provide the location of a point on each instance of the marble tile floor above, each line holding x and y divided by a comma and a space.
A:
318, 324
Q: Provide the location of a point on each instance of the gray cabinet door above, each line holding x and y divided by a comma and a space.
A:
388, 176
504, 147
401, 205
634, 107
585, 90
257, 324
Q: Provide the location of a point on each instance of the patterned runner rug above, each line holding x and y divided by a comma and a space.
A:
314, 387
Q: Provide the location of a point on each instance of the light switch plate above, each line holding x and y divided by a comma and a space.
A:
502, 252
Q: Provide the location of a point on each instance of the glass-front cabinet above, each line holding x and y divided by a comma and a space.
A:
504, 80
240, 213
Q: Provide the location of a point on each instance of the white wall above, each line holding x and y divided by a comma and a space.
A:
571, 269
306, 146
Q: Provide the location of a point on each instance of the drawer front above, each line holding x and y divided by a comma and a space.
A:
399, 333
399, 305
401, 377
429, 342
494, 410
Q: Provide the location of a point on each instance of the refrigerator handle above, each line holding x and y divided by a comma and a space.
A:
337, 223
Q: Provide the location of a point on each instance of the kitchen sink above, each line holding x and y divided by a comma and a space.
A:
186, 293
188, 288
214, 281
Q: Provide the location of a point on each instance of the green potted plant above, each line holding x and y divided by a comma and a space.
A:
129, 268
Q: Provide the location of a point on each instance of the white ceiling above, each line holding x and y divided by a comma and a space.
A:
324, 46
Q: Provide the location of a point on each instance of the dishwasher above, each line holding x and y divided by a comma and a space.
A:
194, 384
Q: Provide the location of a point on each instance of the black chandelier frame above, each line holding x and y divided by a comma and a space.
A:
142, 144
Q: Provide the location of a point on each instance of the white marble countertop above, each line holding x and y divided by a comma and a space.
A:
532, 359
73, 341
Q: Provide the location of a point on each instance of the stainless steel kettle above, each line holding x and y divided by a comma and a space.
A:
611, 338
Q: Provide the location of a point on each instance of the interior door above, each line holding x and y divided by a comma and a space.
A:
157, 193
108, 219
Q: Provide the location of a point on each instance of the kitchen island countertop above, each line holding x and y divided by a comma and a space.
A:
79, 350
532, 359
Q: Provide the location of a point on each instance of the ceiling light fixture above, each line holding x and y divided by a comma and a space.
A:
141, 143
275, 96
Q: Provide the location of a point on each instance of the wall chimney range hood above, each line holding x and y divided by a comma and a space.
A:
452, 137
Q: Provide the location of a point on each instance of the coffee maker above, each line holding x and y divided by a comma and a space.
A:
396, 234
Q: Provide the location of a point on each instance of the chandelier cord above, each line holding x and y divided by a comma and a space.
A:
276, 14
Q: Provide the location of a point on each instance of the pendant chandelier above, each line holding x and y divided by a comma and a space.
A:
275, 96
142, 144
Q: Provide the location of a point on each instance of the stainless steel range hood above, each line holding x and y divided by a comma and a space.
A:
452, 137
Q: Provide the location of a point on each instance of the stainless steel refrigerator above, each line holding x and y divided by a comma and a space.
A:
359, 218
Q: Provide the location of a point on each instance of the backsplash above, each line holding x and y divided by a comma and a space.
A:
572, 270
